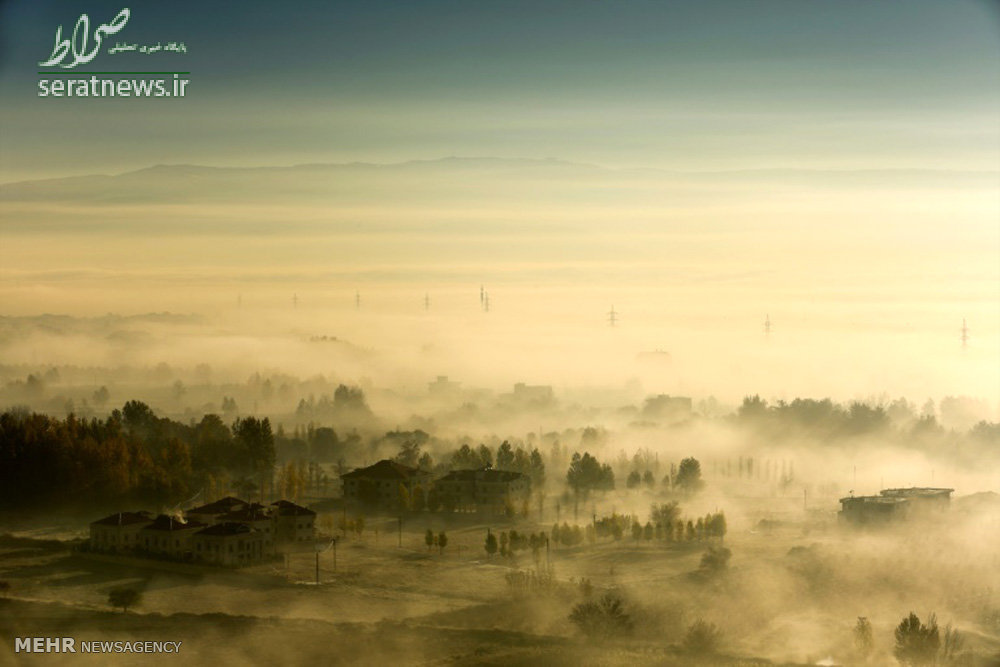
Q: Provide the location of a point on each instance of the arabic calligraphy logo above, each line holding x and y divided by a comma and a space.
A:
79, 42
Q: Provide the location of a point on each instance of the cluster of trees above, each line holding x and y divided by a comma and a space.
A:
130, 456
587, 474
317, 443
507, 457
916, 643
346, 403
635, 480
513, 542
602, 619
826, 420
431, 540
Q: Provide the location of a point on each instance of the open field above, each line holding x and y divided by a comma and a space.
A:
790, 595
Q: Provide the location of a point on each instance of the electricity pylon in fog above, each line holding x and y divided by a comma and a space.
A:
612, 317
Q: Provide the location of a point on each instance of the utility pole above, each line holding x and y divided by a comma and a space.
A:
427, 301
767, 325
612, 317
295, 301
357, 300
335, 554
965, 334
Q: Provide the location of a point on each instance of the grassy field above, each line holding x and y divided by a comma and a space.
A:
790, 595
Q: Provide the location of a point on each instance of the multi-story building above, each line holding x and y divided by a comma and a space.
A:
215, 511
168, 536
383, 485
483, 489
231, 543
292, 523
118, 532
229, 531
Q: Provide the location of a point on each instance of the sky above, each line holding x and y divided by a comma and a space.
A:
679, 85
852, 151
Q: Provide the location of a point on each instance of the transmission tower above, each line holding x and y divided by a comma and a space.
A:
357, 300
767, 324
965, 334
612, 317
295, 301
427, 301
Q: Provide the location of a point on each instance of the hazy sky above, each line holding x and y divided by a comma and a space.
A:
686, 85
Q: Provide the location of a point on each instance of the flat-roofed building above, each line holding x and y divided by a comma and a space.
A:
894, 504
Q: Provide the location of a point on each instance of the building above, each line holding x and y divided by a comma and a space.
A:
215, 511
169, 536
894, 505
381, 485
443, 388
292, 523
229, 531
231, 543
118, 532
483, 489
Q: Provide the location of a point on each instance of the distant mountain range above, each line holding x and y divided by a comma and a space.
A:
451, 177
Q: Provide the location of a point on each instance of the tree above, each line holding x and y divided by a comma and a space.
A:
442, 542
4, 587
429, 538
701, 637
602, 619
634, 479
689, 475
491, 543
953, 643
715, 560
505, 456
916, 643
124, 598
863, 641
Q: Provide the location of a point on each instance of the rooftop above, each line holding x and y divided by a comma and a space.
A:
252, 512
288, 508
221, 506
226, 528
384, 469
172, 523
124, 519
